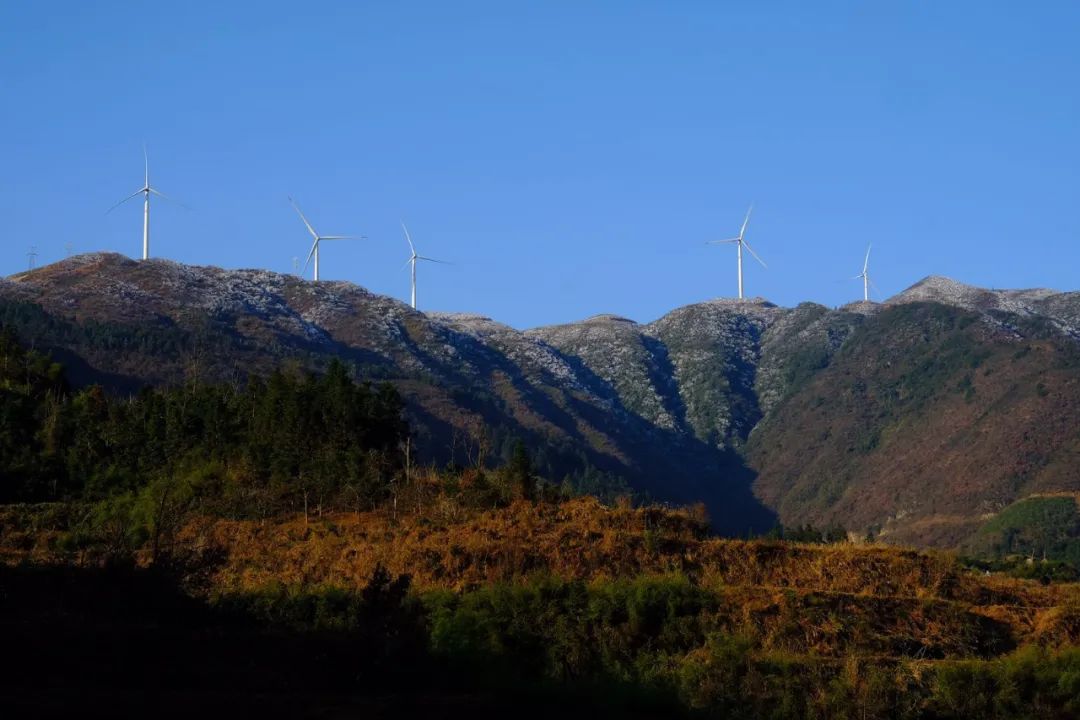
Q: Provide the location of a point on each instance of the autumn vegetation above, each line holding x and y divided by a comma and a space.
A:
276, 547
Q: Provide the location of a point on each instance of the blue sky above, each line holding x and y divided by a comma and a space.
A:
571, 158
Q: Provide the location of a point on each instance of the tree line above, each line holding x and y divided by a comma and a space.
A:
272, 444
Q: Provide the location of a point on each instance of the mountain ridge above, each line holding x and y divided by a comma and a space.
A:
701, 403
935, 288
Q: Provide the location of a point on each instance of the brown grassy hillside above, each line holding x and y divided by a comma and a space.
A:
855, 626
825, 600
926, 423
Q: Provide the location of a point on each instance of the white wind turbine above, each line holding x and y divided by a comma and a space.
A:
413, 260
146, 191
740, 243
865, 275
318, 239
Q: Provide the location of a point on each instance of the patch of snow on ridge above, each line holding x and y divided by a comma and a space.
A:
1061, 309
472, 324
619, 354
16, 288
93, 258
862, 307
527, 352
259, 293
609, 318
937, 288
951, 292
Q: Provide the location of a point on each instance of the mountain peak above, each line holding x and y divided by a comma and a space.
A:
74, 263
756, 301
940, 289
937, 288
609, 318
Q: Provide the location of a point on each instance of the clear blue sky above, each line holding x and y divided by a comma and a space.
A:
570, 157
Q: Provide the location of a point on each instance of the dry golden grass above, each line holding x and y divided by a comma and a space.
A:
825, 600
821, 600
584, 539
452, 547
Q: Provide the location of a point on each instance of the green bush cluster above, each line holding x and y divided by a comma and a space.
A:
808, 534
652, 641
1037, 528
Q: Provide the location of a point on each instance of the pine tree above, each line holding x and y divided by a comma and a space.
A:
521, 473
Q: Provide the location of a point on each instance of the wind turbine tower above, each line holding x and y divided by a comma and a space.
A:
146, 191
31, 257
413, 259
318, 239
865, 275
740, 243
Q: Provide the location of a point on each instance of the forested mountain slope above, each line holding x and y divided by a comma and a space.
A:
918, 419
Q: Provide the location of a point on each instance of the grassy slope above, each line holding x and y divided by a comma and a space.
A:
808, 614
823, 600
925, 423
1037, 526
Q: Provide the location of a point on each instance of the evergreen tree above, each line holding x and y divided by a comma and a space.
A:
272, 445
520, 469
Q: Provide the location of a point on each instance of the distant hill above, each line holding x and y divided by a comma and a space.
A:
916, 420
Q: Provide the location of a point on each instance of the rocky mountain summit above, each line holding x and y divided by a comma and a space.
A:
1062, 309
912, 419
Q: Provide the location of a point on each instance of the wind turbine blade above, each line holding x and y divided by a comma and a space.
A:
343, 237
170, 199
146, 165
722, 242
306, 223
751, 250
746, 221
408, 237
310, 254
443, 262
406, 263
135, 194
857, 277
866, 262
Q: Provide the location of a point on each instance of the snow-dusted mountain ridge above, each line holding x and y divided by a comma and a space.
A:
669, 405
